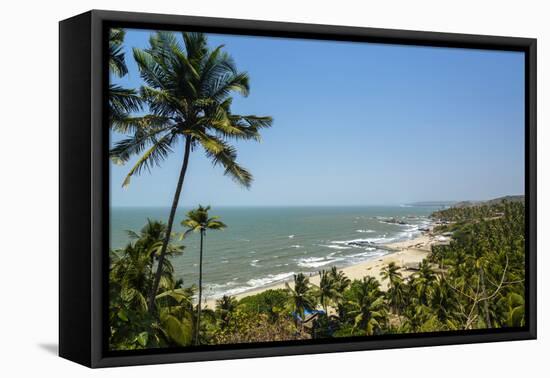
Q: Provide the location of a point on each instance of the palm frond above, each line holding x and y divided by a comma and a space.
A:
135, 144
162, 103
195, 46
227, 158
222, 153
150, 71
135, 124
224, 84
122, 102
117, 64
154, 156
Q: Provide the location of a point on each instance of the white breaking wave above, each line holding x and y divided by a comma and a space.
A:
235, 291
217, 290
340, 247
380, 240
269, 279
365, 231
316, 262
370, 252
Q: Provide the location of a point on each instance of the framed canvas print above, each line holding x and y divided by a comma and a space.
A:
233, 188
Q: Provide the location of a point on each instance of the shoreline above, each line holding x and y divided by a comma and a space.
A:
406, 254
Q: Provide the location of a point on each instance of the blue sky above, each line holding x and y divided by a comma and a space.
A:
356, 124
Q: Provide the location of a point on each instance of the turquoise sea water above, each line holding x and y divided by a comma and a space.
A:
264, 245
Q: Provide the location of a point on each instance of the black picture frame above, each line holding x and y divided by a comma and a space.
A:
84, 194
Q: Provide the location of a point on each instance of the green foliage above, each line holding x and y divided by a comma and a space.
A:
122, 101
365, 307
130, 279
479, 284
252, 327
395, 295
514, 314
468, 214
330, 289
270, 302
302, 295
225, 307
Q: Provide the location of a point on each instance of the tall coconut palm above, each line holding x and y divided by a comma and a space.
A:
301, 296
122, 101
188, 92
198, 220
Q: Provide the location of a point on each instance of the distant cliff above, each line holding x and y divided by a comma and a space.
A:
519, 198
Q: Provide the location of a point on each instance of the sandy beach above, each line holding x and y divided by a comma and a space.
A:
408, 253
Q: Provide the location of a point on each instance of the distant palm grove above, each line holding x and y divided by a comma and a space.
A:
476, 281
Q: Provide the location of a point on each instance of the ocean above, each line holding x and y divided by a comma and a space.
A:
265, 245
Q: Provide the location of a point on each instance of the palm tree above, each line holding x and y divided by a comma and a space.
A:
339, 277
188, 92
438, 254
198, 220
367, 305
301, 296
395, 293
417, 318
225, 306
514, 313
130, 277
391, 273
328, 290
176, 315
424, 280
443, 303
132, 266
122, 101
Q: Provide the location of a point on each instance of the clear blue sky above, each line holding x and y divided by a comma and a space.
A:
356, 124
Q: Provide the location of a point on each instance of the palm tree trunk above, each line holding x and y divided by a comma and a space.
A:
166, 240
200, 294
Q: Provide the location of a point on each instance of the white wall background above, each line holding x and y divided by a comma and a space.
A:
29, 186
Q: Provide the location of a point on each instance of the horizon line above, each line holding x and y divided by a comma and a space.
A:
425, 203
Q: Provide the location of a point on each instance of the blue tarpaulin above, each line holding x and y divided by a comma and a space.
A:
308, 313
